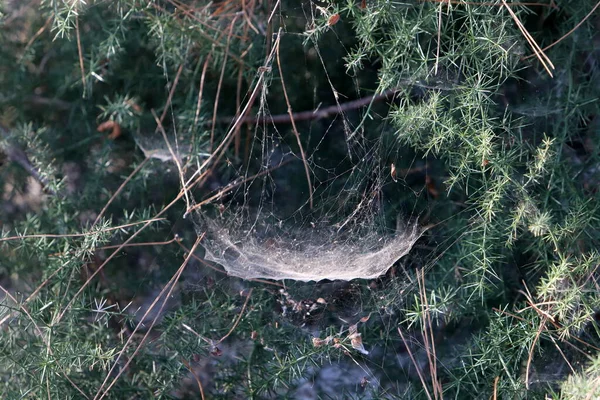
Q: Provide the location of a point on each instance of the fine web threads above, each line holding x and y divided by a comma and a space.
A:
313, 259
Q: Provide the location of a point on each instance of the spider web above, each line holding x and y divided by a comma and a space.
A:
268, 228
313, 199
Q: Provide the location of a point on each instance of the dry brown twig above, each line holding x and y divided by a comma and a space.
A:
201, 89
143, 244
213, 343
544, 318
412, 358
80, 52
238, 95
38, 33
313, 115
196, 378
532, 348
120, 189
495, 397
556, 325
237, 320
219, 84
570, 32
72, 235
18, 156
439, 34
539, 53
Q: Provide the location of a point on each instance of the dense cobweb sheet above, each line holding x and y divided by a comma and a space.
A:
316, 257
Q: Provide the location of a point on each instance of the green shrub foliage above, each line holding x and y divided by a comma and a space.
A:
495, 153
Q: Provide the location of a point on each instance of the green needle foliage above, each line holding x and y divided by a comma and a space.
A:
499, 299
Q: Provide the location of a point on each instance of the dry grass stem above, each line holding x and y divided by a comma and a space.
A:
546, 62
570, 32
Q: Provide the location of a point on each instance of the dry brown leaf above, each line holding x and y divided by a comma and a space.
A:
356, 339
317, 342
334, 19
111, 125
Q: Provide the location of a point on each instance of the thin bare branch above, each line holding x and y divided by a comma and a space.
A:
196, 378
237, 320
165, 294
313, 115
121, 187
546, 62
80, 54
50, 235
570, 32
412, 358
